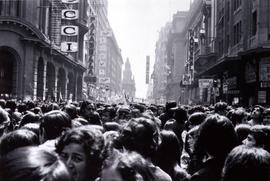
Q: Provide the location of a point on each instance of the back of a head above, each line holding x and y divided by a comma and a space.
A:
71, 110
130, 165
3, 116
141, 135
16, 139
33, 164
169, 150
217, 136
54, 123
170, 105
30, 117
247, 163
242, 131
221, 107
196, 118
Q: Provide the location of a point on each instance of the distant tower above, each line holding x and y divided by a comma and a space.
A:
128, 82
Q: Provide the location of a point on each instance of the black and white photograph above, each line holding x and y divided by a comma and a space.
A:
134, 90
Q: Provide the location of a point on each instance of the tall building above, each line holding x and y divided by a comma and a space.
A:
161, 70
105, 59
128, 82
38, 59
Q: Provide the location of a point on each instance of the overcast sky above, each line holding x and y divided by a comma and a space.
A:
136, 24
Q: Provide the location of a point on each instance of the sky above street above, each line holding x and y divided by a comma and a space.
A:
136, 24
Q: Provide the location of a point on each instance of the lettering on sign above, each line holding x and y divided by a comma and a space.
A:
205, 83
69, 47
70, 14
104, 80
70, 1
69, 30
101, 72
102, 64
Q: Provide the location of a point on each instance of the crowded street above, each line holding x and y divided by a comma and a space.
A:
134, 90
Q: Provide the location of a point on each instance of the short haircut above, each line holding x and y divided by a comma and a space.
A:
247, 163
33, 164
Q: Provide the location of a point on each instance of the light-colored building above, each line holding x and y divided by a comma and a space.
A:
33, 64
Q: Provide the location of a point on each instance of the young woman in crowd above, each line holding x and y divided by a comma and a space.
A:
82, 148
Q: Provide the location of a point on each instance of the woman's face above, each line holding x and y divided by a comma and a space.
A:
110, 174
249, 141
75, 158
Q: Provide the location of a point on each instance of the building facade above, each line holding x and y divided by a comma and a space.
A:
128, 82
32, 65
105, 59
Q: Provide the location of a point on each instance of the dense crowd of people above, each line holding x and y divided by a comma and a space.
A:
87, 141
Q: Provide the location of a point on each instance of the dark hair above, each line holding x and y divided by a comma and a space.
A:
92, 141
30, 117
84, 105
71, 110
220, 106
16, 139
242, 131
237, 116
168, 152
196, 118
33, 164
54, 123
246, 163
261, 134
216, 136
3, 116
130, 165
11, 104
141, 135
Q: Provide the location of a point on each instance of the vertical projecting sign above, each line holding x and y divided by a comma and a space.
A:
69, 29
147, 69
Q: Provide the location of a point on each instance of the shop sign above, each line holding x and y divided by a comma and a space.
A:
69, 30
232, 82
265, 84
205, 83
104, 80
261, 96
69, 47
264, 70
250, 72
70, 14
102, 63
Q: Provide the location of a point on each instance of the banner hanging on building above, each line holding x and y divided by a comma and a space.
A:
147, 69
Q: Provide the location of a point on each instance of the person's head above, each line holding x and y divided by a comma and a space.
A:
179, 114
87, 109
53, 124
242, 131
81, 148
257, 113
126, 166
258, 137
71, 110
2, 103
168, 152
16, 139
238, 116
170, 105
196, 119
221, 108
11, 104
33, 164
245, 163
141, 135
216, 136
4, 121
123, 113
30, 117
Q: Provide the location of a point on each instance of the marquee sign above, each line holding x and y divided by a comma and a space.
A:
69, 29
